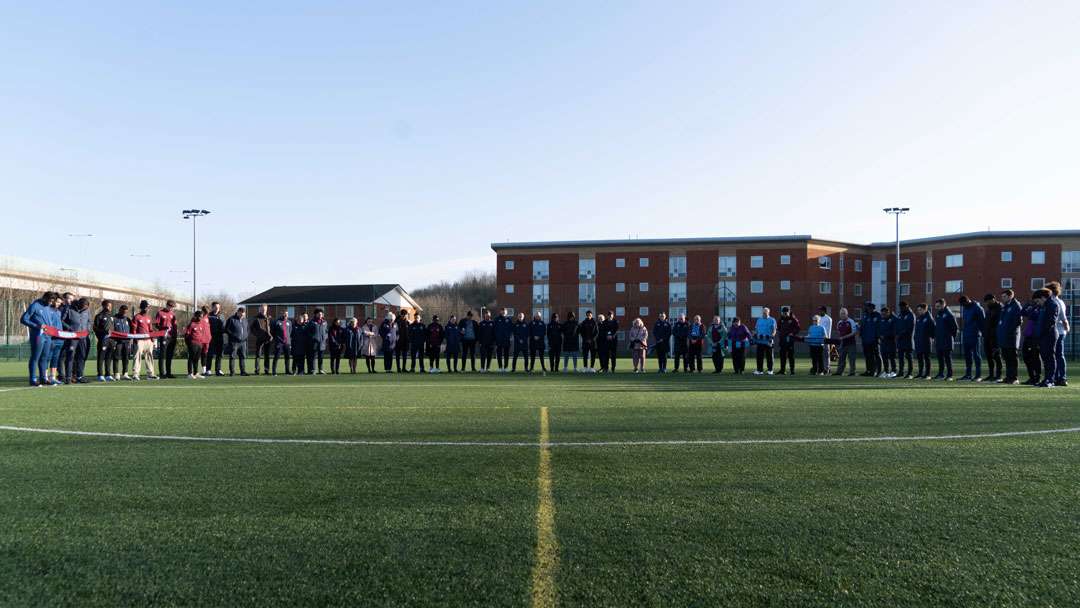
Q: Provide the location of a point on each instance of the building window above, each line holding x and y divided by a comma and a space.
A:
824, 287
954, 261
825, 263
543, 312
620, 287
587, 292
1037, 284
757, 311
785, 259
726, 291
349, 312
1006, 256
643, 287
856, 289
620, 262
954, 286
1006, 283
785, 285
929, 288
677, 268
858, 265
856, 313
929, 262
581, 314
620, 311
757, 261
620, 335
905, 289
540, 270
841, 262
643, 262
727, 265
841, 288
1070, 261
1038, 257
757, 287
586, 269
677, 292
509, 264
509, 288
905, 265
540, 294
675, 311
510, 313
643, 311
291, 310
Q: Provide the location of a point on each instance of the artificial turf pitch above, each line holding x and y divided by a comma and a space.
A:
90, 520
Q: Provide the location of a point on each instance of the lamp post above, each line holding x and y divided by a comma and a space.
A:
141, 256
897, 211
82, 239
193, 215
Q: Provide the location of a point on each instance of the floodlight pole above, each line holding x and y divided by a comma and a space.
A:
897, 211
193, 215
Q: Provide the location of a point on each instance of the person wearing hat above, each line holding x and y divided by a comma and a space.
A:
141, 323
1008, 335
871, 339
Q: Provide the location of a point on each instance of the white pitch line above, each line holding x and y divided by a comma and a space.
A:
544, 444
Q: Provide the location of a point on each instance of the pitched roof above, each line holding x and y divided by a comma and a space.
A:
322, 294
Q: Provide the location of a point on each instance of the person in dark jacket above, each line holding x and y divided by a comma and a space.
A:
1008, 335
470, 335
1046, 330
990, 342
887, 331
236, 330
973, 317
317, 335
1063, 329
404, 342
588, 331
453, 332
945, 331
352, 341
905, 333
217, 340
281, 331
923, 339
487, 342
695, 340
554, 340
388, 336
503, 339
680, 331
73, 319
104, 323
122, 351
787, 329
871, 339
335, 345
570, 340
537, 333
609, 342
1030, 343
433, 336
300, 344
662, 335
264, 342
418, 342
521, 342
165, 320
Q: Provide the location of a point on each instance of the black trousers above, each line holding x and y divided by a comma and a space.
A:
1011, 360
817, 360
613, 351
502, 356
764, 354
279, 350
1031, 359
872, 354
299, 359
388, 360
605, 356
262, 350
237, 351
925, 365
661, 351
121, 357
905, 357
532, 359
738, 359
888, 361
82, 351
370, 361
694, 358
66, 369
787, 355
166, 352
524, 359
487, 351
217, 347
993, 359
944, 359
433, 358
401, 357
106, 348
314, 354
335, 360
553, 358
452, 362
468, 353
588, 356
718, 361
416, 352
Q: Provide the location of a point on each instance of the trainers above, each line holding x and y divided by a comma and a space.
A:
769, 373
101, 378
153, 377
110, 379
125, 377
758, 373
191, 376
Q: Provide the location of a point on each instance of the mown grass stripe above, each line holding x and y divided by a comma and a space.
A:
547, 545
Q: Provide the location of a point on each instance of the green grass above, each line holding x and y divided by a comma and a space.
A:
88, 521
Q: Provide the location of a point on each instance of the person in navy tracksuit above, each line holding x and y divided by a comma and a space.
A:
453, 332
680, 333
905, 333
924, 340
470, 334
36, 317
945, 331
973, 317
662, 336
554, 340
503, 338
991, 350
300, 344
281, 334
871, 339
418, 337
122, 352
487, 342
317, 335
1008, 336
521, 341
887, 332
537, 333
1046, 330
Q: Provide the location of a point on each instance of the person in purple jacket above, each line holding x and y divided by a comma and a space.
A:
739, 339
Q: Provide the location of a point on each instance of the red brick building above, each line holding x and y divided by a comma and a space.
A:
738, 275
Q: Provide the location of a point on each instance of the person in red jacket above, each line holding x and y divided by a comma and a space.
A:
434, 335
165, 319
197, 338
786, 329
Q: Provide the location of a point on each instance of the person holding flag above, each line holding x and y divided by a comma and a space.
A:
718, 334
739, 339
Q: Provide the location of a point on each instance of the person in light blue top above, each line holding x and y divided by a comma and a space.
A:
764, 334
815, 338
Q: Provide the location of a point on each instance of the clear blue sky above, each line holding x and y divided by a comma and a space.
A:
394, 141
